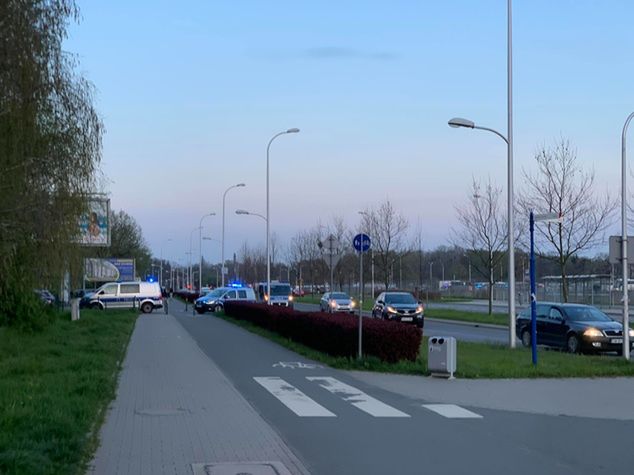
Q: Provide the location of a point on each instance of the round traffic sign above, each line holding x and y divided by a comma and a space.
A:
361, 242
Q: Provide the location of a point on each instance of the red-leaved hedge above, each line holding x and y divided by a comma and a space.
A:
334, 334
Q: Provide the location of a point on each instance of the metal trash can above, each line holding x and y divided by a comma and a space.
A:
441, 356
74, 309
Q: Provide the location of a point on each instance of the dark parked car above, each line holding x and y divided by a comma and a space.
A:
574, 327
400, 307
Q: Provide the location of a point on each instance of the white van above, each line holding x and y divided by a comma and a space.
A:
143, 295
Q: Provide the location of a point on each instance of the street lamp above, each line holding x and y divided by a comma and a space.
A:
457, 122
200, 250
465, 123
268, 216
222, 252
626, 282
161, 269
249, 213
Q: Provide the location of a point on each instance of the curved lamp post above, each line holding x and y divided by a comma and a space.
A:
222, 252
268, 220
200, 250
626, 283
469, 124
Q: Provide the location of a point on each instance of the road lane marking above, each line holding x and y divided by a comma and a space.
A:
293, 398
452, 411
357, 398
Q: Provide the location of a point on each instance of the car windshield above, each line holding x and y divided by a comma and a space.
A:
400, 298
339, 295
280, 289
215, 293
586, 314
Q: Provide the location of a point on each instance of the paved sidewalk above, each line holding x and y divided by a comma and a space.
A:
175, 408
600, 398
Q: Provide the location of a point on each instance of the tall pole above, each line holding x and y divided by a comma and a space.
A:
361, 301
509, 133
268, 215
626, 282
224, 196
200, 250
533, 296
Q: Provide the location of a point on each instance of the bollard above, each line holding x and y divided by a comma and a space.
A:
74, 309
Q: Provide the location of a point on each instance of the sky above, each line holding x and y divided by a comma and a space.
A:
190, 93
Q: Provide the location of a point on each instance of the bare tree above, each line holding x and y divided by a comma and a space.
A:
387, 228
560, 185
482, 231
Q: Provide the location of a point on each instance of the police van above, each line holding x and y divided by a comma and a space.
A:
145, 296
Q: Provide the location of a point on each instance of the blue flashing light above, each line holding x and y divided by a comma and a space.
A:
236, 285
151, 279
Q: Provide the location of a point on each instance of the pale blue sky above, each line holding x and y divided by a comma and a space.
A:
191, 91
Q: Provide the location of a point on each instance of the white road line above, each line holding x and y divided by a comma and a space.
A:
452, 411
293, 398
357, 398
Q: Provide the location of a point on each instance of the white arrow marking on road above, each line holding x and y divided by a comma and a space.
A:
452, 411
293, 398
358, 398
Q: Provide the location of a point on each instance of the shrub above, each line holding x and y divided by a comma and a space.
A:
334, 334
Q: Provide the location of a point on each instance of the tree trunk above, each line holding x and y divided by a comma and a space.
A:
564, 282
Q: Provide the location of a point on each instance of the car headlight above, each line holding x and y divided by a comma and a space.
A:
391, 309
631, 332
419, 309
593, 332
333, 304
290, 298
352, 304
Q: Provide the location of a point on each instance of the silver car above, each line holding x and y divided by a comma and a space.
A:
336, 302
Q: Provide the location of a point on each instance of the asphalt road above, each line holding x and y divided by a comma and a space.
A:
460, 331
337, 424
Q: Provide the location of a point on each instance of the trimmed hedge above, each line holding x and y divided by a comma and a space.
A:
334, 334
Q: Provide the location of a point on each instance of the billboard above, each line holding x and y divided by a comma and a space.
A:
94, 226
108, 270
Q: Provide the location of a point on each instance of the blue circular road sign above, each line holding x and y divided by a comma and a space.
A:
361, 242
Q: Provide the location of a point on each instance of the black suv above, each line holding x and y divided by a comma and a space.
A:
574, 327
400, 307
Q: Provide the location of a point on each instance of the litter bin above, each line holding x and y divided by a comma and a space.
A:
441, 356
74, 309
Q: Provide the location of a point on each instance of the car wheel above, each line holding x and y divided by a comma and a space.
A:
96, 306
572, 344
218, 308
147, 307
526, 338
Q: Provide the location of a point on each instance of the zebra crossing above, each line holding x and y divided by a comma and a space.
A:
304, 406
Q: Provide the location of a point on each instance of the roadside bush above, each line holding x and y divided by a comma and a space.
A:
334, 334
21, 307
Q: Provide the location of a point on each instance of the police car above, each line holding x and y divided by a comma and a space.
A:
143, 295
215, 300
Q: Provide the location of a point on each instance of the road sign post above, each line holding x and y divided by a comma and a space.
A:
534, 218
361, 243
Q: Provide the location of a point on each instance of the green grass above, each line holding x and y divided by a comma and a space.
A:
461, 315
54, 389
475, 360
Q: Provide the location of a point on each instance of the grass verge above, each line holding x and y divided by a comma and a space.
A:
475, 360
54, 389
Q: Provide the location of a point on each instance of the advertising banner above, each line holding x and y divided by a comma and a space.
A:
108, 270
94, 226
